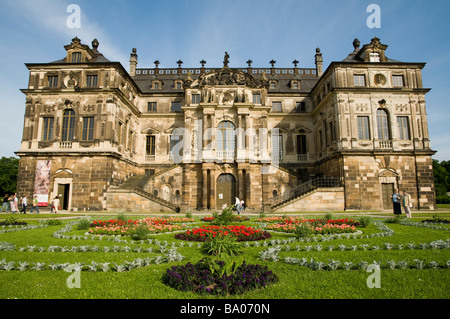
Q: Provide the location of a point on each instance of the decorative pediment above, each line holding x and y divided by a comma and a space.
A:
373, 52
227, 77
150, 131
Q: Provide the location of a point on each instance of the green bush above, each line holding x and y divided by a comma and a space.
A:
364, 221
83, 224
140, 232
53, 222
303, 230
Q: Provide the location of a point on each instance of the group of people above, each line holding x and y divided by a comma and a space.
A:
239, 205
11, 204
401, 200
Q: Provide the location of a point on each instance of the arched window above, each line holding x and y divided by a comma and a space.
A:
384, 133
226, 140
68, 126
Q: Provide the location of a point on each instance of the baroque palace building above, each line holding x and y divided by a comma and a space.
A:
176, 139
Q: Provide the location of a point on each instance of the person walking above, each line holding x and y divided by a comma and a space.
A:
406, 203
12, 203
24, 204
238, 205
396, 198
35, 205
55, 204
5, 204
242, 206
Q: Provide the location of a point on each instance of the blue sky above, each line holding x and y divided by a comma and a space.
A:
191, 30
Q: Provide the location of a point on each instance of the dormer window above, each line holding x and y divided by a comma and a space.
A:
273, 85
178, 85
295, 85
374, 57
76, 57
156, 85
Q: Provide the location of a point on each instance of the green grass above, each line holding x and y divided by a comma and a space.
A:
295, 282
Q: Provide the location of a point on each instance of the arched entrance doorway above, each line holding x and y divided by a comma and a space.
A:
226, 190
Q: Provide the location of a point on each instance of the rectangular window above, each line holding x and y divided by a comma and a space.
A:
301, 144
150, 145
359, 80
403, 127
175, 147
374, 57
156, 85
277, 147
88, 129
91, 81
257, 98
363, 128
179, 86
152, 106
176, 107
76, 57
272, 86
52, 81
397, 80
195, 98
300, 107
47, 128
276, 107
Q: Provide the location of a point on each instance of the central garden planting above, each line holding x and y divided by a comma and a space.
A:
224, 255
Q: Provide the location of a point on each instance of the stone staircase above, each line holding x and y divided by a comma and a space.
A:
303, 190
136, 184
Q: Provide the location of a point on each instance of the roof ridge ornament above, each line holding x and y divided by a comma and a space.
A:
226, 60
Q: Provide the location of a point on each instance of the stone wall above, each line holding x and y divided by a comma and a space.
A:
364, 176
126, 201
320, 200
89, 178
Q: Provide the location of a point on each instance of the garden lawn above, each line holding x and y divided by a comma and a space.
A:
295, 281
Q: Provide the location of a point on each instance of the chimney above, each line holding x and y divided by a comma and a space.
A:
133, 62
319, 62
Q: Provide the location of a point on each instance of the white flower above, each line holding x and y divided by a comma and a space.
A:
224, 206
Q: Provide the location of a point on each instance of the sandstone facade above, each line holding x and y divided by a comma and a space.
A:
177, 139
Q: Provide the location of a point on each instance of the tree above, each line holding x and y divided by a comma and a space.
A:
9, 168
441, 173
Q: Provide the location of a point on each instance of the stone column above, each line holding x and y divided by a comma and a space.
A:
205, 189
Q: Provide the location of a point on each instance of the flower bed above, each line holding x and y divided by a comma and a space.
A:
315, 221
242, 233
199, 279
153, 225
234, 218
318, 226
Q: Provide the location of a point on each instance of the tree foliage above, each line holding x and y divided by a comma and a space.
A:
9, 168
441, 171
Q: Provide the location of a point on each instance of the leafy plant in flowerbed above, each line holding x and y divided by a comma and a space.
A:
233, 219
436, 220
241, 233
220, 245
11, 221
